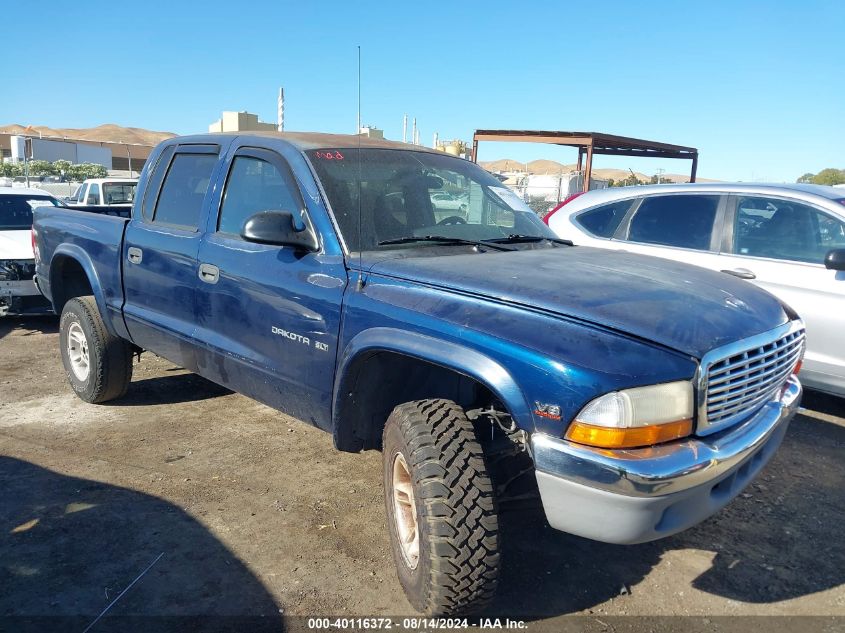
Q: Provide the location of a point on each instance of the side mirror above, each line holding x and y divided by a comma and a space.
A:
835, 259
276, 227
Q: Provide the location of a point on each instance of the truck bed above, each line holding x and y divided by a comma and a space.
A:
95, 240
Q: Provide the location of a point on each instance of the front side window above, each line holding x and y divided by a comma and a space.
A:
684, 221
604, 220
183, 191
16, 211
785, 229
255, 185
400, 194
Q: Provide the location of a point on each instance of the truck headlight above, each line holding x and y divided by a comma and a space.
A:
635, 417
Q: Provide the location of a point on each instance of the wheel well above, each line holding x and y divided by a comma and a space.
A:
375, 383
68, 280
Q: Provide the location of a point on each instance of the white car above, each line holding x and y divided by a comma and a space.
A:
105, 192
788, 239
18, 293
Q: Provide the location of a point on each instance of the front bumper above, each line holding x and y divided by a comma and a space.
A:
638, 495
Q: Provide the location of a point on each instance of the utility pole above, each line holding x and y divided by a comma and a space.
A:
280, 111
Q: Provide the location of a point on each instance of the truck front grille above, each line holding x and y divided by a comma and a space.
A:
742, 377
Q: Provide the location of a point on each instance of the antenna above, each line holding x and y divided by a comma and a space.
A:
360, 283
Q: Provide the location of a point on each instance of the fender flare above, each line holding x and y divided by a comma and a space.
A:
459, 358
74, 252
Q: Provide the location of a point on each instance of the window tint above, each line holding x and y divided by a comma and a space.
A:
255, 185
154, 181
684, 221
783, 229
93, 196
603, 221
180, 200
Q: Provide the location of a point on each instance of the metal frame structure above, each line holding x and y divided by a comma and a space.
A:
589, 144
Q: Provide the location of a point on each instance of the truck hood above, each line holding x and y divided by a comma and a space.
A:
16, 245
687, 308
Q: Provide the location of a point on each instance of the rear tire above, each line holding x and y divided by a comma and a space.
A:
441, 508
98, 364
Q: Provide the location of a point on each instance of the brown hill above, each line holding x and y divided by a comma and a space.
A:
108, 132
553, 167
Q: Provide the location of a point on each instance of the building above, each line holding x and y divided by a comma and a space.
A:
52, 150
371, 132
240, 122
112, 155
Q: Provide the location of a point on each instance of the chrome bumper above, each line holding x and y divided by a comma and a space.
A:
637, 495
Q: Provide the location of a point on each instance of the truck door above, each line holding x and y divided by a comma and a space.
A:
268, 316
160, 253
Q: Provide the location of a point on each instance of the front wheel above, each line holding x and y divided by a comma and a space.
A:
97, 363
441, 509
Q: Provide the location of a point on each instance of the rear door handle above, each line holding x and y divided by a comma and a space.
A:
134, 255
742, 273
209, 273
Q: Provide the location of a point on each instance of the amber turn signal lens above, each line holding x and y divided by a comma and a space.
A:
797, 367
632, 437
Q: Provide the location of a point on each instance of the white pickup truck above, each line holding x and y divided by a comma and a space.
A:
107, 192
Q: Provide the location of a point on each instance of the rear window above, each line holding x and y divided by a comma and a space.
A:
180, 201
604, 220
684, 221
16, 211
119, 192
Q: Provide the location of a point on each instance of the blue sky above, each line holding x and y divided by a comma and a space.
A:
758, 87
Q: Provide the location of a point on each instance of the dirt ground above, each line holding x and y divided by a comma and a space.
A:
233, 508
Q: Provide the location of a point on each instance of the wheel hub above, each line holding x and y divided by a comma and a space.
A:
77, 351
405, 511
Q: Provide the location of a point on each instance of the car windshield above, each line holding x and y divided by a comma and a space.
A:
119, 192
16, 210
408, 194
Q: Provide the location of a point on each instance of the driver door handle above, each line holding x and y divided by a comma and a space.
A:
209, 273
742, 273
134, 255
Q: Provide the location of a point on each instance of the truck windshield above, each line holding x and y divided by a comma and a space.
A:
119, 192
407, 194
16, 210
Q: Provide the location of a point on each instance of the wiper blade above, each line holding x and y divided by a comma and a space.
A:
444, 240
514, 238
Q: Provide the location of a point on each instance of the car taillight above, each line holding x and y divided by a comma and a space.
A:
32, 234
566, 201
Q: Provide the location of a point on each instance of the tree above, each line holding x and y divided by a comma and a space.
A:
41, 168
10, 169
830, 176
62, 167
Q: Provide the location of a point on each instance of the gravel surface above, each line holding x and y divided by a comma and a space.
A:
236, 509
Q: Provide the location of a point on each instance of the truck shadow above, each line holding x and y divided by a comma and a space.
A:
29, 325
775, 542
70, 546
169, 389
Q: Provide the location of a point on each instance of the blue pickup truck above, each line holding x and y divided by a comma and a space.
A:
317, 274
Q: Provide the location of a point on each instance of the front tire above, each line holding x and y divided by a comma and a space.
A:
98, 364
441, 508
